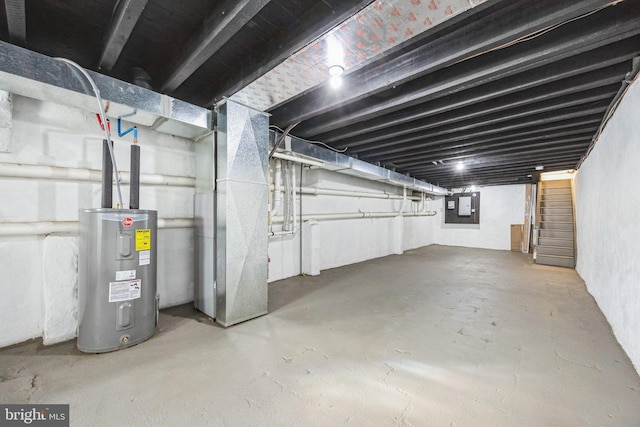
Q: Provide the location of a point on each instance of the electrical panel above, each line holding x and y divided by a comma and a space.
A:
462, 208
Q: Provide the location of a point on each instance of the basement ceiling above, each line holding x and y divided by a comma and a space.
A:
499, 86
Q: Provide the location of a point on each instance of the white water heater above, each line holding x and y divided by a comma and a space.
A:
118, 303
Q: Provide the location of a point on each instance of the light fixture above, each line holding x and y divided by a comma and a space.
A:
539, 167
460, 166
435, 163
335, 71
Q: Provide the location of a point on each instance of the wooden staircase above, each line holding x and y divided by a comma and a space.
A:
556, 239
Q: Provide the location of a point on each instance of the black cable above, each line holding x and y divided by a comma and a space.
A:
313, 142
282, 137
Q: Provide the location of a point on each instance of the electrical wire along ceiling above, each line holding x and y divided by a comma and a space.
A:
453, 92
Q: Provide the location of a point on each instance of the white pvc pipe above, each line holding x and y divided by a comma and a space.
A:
293, 197
348, 193
404, 200
356, 215
37, 228
277, 197
50, 227
18, 170
298, 159
286, 212
279, 233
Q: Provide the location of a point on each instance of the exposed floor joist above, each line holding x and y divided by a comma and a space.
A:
219, 29
124, 20
16, 20
463, 78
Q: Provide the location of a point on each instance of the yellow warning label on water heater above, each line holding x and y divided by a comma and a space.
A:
143, 239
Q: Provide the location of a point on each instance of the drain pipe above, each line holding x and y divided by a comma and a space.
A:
286, 176
43, 228
293, 197
349, 193
277, 194
21, 170
355, 215
404, 200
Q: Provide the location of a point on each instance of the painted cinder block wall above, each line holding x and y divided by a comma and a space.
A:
500, 206
608, 223
39, 281
39, 273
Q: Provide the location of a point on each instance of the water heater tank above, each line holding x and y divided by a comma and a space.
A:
117, 291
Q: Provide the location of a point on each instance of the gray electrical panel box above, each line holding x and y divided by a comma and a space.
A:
464, 206
117, 290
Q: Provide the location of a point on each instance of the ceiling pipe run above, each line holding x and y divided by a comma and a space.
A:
338, 162
356, 215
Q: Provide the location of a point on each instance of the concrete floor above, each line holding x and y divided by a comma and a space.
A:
440, 336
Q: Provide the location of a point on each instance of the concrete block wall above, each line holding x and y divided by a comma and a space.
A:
38, 283
343, 242
608, 225
349, 241
39, 273
500, 206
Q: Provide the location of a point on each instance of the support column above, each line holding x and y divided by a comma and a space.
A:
311, 248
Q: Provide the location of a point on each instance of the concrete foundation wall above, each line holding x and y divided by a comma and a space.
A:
500, 206
608, 225
39, 281
342, 242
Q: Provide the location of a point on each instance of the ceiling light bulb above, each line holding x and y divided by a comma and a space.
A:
539, 168
460, 166
335, 81
336, 70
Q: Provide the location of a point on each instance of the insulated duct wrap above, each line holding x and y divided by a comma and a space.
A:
107, 176
134, 189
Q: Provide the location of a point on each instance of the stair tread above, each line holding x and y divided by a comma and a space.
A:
556, 222
554, 247
555, 238
556, 256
